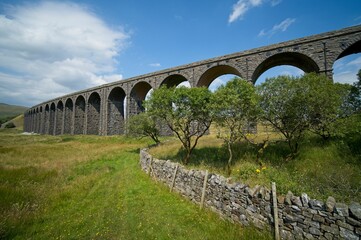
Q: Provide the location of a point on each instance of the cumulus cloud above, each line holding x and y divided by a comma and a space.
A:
281, 27
50, 49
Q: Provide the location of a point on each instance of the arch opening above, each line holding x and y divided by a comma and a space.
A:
41, 120
68, 116
93, 114
79, 116
115, 112
294, 59
137, 96
220, 81
59, 118
347, 64
52, 119
46, 119
175, 80
214, 73
287, 70
37, 125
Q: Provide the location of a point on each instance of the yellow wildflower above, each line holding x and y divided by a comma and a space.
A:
258, 171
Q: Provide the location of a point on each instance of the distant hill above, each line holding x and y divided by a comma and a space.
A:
12, 113
7, 110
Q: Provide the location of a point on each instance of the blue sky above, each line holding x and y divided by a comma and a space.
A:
52, 48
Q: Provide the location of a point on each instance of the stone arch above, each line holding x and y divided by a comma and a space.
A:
93, 114
37, 120
52, 118
137, 96
59, 118
115, 111
212, 73
68, 116
79, 116
41, 119
295, 59
173, 80
349, 49
46, 119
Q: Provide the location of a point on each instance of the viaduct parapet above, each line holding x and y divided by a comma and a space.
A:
102, 110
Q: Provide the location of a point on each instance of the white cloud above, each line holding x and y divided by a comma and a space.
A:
54, 48
241, 7
155, 65
346, 69
281, 27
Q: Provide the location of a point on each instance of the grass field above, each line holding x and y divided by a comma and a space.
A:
90, 187
320, 169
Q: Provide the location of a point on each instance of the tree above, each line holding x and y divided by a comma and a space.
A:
354, 97
186, 111
324, 102
283, 107
294, 105
143, 125
234, 107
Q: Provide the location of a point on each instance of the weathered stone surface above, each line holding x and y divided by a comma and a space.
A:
318, 218
296, 201
315, 231
316, 204
288, 198
342, 209
344, 225
353, 222
304, 199
281, 199
328, 236
333, 230
330, 204
355, 210
347, 234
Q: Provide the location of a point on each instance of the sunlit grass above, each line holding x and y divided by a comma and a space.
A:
320, 170
91, 187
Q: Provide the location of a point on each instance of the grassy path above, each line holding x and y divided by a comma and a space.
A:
92, 188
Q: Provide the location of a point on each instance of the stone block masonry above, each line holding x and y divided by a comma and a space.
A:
299, 216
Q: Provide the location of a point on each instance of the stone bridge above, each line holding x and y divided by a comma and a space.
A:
102, 110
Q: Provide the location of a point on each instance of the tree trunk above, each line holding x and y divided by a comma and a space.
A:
229, 145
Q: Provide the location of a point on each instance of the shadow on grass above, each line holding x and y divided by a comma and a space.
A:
217, 157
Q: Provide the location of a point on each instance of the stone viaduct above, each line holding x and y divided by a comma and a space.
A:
101, 110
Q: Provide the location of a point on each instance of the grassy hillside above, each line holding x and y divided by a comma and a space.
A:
7, 110
91, 187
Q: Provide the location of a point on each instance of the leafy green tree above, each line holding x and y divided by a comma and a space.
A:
143, 125
186, 111
283, 107
294, 105
354, 97
234, 107
324, 102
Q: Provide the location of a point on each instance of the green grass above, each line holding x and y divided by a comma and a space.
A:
91, 187
320, 170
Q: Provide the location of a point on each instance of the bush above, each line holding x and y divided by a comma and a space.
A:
9, 125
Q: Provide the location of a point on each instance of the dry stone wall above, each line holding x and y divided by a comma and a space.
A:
299, 216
